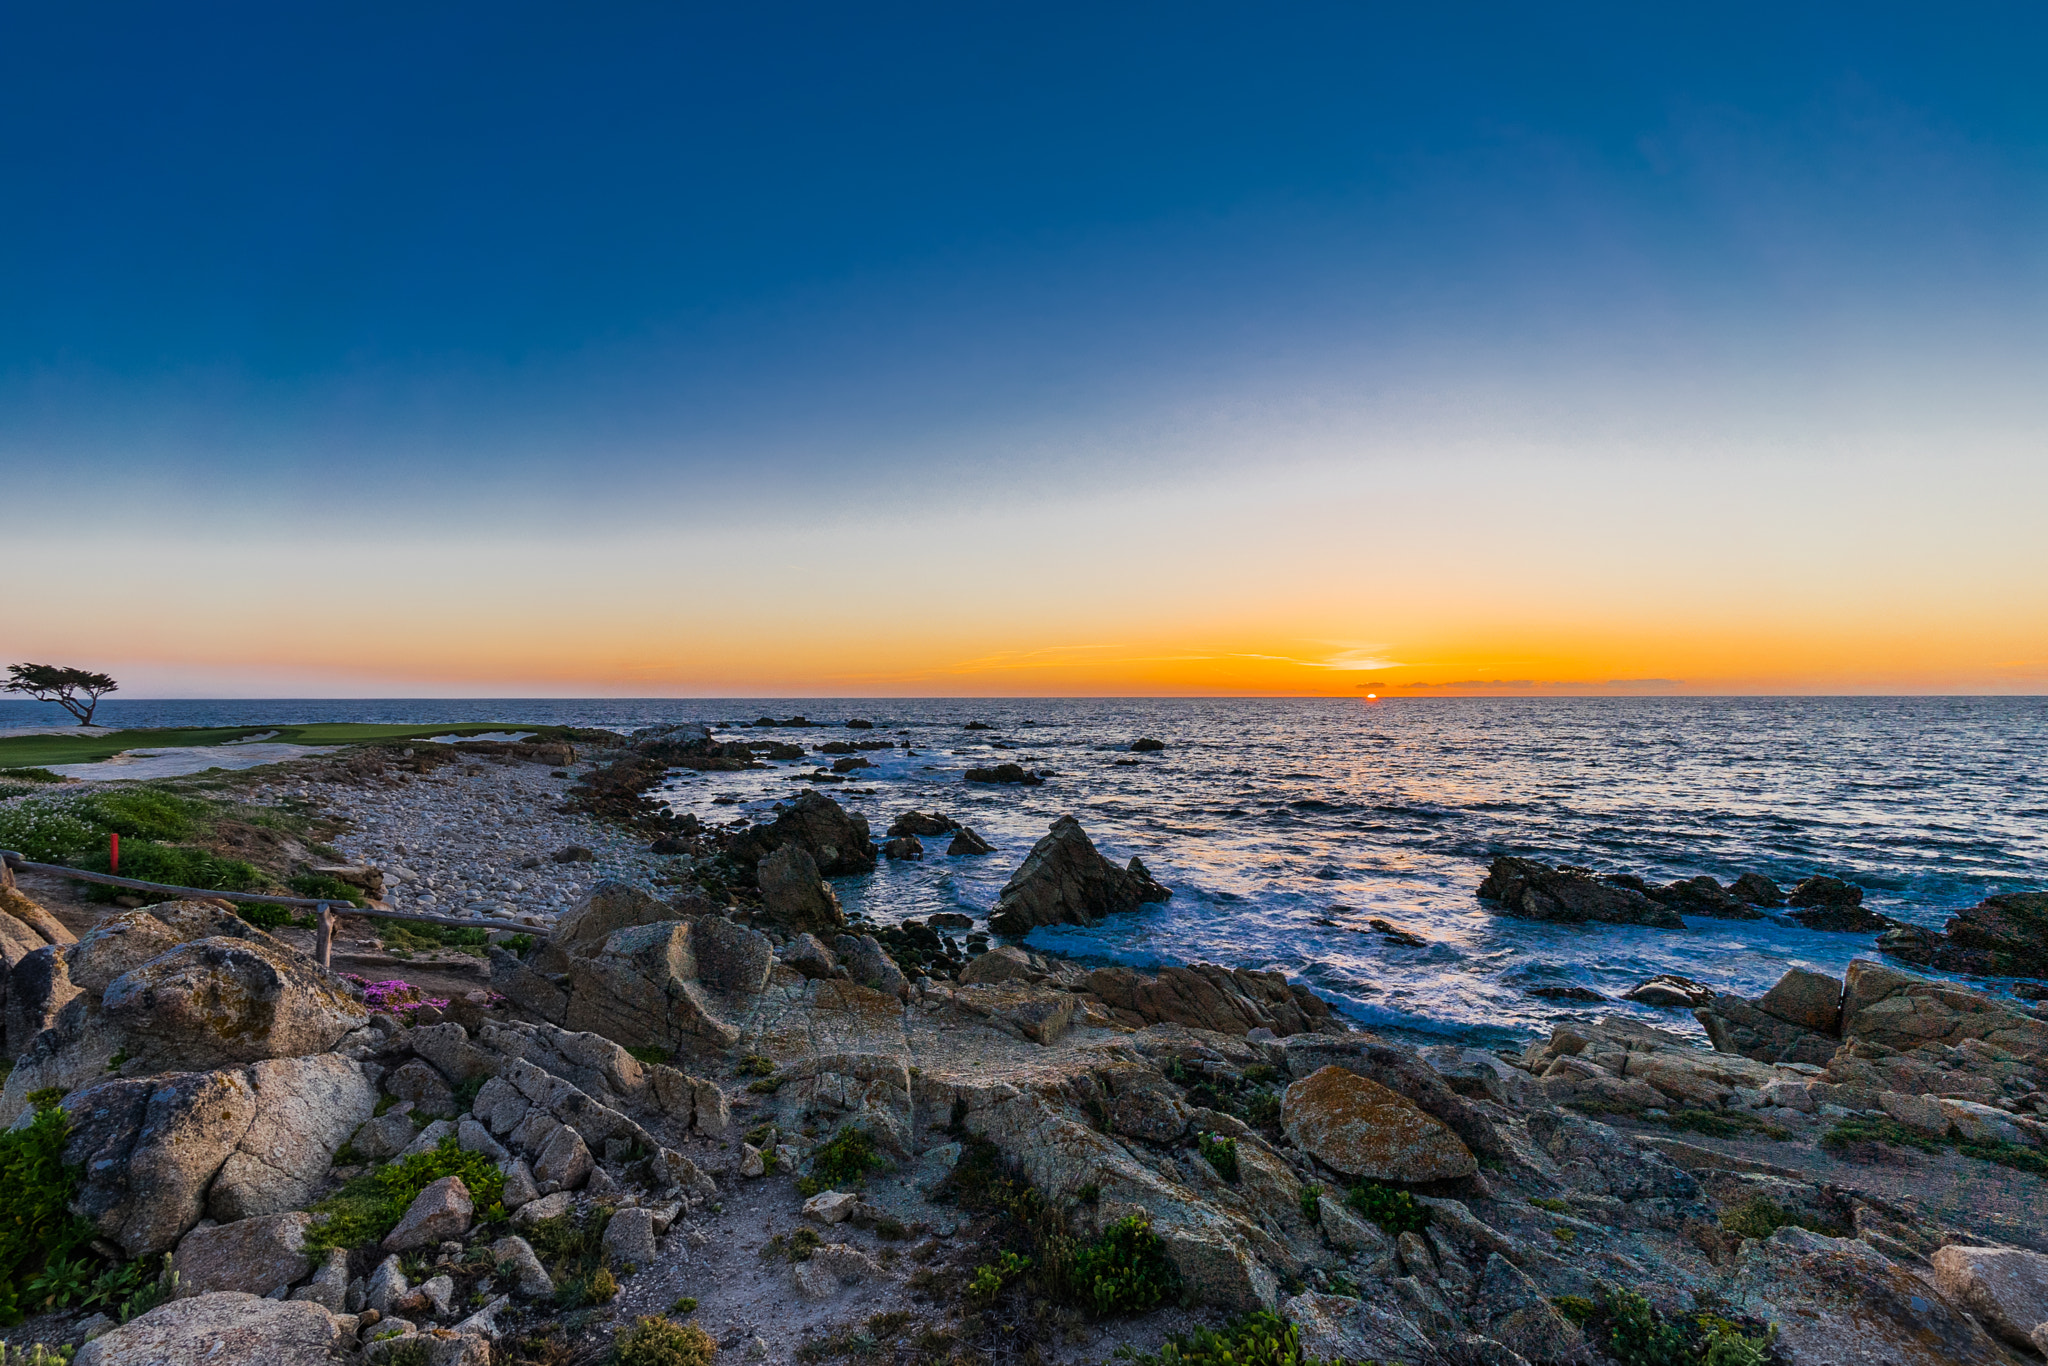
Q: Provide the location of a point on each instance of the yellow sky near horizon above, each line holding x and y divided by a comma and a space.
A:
1439, 577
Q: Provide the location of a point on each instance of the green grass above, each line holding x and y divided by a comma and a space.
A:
371, 1205
418, 936
41, 751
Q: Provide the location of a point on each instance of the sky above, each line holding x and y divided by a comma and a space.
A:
788, 350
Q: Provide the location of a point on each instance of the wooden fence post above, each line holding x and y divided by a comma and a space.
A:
323, 936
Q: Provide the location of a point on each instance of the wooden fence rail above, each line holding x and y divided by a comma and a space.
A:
324, 909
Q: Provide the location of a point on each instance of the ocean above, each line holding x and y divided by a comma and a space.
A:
1269, 816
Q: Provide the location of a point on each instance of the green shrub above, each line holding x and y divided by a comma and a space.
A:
31, 775
1396, 1211
327, 887
651, 1054
846, 1158
38, 1233
1635, 1334
145, 813
989, 1278
1260, 1338
572, 1249
657, 1342
173, 864
1125, 1271
1311, 1201
420, 936
686, 1305
1220, 1153
754, 1065
371, 1205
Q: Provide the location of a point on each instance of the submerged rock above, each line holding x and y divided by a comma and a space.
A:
1705, 897
1535, 891
918, 823
966, 842
1064, 881
1004, 773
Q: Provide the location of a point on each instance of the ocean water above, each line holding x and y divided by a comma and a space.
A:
1268, 816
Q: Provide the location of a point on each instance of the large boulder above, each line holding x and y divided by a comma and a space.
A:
643, 989
610, 907
1064, 881
836, 839
2001, 936
2005, 1287
306, 1108
38, 989
255, 1256
46, 927
219, 1001
1839, 1302
157, 1154
225, 1326
1530, 890
794, 893
1361, 1128
1798, 1020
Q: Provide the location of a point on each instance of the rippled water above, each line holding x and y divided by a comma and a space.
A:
1265, 815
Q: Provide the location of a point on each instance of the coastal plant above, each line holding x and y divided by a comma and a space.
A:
754, 1065
371, 1205
1311, 1201
990, 1277
1850, 1135
846, 1158
36, 1354
39, 1236
327, 887
1636, 1334
1761, 1216
1395, 1211
1220, 1153
1260, 1338
1124, 1271
654, 1341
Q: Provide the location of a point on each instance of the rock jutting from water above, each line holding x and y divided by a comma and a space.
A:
2001, 936
1065, 881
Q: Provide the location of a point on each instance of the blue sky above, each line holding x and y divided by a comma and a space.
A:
620, 266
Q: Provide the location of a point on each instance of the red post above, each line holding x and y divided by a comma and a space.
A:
114, 851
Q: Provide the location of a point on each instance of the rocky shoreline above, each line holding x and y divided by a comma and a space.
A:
704, 1111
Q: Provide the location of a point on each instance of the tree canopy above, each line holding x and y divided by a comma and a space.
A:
78, 691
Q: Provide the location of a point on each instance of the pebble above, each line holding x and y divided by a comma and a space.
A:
454, 842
